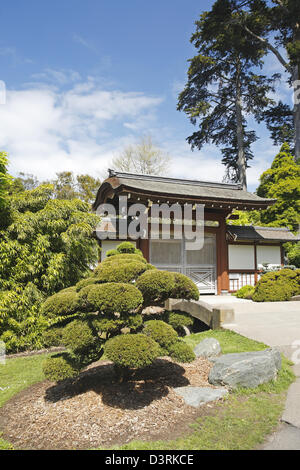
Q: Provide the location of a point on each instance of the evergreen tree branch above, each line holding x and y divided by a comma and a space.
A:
273, 49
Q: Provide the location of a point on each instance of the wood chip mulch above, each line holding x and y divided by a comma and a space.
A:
97, 411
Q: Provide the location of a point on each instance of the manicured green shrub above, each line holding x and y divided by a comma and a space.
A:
111, 253
125, 272
59, 367
68, 289
52, 337
121, 258
184, 288
85, 282
277, 286
156, 286
160, 332
60, 304
179, 320
113, 326
181, 352
268, 292
245, 292
111, 298
134, 322
108, 326
126, 247
132, 351
78, 336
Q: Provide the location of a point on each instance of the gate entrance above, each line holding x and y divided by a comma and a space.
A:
198, 265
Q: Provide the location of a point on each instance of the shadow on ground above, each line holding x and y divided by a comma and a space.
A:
138, 391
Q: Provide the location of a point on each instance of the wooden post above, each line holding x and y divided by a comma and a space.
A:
143, 245
222, 257
255, 264
282, 254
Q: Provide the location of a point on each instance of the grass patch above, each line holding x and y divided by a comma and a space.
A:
17, 374
237, 424
230, 341
245, 418
242, 421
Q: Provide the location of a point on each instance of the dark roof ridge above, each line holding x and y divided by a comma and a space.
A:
113, 173
262, 227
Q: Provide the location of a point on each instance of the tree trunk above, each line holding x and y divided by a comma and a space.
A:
241, 161
296, 83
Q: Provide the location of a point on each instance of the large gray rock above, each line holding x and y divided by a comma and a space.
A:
248, 369
295, 297
209, 347
197, 396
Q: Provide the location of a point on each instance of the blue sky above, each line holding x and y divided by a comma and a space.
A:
84, 78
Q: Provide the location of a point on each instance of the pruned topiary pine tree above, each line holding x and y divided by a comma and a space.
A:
104, 313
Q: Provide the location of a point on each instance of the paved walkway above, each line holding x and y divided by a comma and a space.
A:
276, 324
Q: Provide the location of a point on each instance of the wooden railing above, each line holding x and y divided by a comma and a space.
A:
240, 278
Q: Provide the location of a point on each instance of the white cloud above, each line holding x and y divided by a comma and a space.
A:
82, 125
13, 55
46, 130
59, 77
84, 42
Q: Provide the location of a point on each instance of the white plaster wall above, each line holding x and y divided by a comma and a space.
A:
241, 256
268, 254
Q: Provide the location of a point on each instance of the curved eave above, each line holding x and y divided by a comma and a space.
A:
113, 186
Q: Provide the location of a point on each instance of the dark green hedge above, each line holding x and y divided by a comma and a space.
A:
277, 286
181, 352
60, 304
132, 351
160, 332
111, 298
59, 367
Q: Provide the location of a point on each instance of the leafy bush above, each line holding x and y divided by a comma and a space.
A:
121, 258
245, 292
126, 247
178, 320
21, 322
111, 298
78, 336
125, 272
156, 286
103, 308
60, 304
59, 367
181, 352
52, 337
277, 286
160, 332
85, 282
132, 351
184, 288
294, 254
111, 253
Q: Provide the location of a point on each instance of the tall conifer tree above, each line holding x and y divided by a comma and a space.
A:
224, 88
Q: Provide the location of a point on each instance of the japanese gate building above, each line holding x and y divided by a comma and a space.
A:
231, 255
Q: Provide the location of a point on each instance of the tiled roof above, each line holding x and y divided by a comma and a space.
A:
171, 187
257, 233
